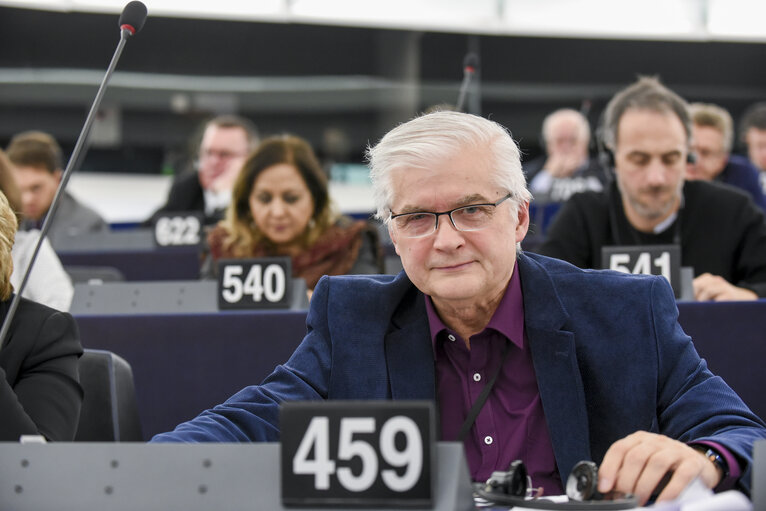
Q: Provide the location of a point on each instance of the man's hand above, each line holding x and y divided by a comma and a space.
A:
562, 165
637, 463
712, 287
225, 180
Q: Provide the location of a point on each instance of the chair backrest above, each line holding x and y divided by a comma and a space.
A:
109, 410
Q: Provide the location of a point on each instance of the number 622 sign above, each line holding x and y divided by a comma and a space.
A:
356, 453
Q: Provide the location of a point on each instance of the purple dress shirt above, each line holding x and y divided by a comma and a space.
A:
511, 424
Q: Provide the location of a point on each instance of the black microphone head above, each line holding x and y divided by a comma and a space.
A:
133, 16
471, 62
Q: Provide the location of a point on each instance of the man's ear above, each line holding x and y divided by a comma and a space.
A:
58, 174
392, 235
522, 226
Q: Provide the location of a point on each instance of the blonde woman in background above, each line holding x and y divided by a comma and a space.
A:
40, 393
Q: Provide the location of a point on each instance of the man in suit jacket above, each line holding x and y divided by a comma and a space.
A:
38, 167
225, 142
712, 138
591, 365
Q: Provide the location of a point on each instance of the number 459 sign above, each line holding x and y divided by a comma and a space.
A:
354, 453
662, 260
254, 283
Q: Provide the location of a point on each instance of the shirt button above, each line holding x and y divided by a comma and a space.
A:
451, 337
488, 440
476, 377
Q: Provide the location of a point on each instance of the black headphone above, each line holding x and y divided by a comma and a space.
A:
606, 157
509, 488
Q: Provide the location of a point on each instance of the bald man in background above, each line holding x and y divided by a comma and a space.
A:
566, 168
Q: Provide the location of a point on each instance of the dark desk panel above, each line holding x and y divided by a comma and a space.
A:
731, 336
132, 252
140, 265
183, 364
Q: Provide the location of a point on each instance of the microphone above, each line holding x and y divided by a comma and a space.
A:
133, 17
470, 65
131, 21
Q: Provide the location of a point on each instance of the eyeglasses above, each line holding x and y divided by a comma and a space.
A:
207, 154
473, 217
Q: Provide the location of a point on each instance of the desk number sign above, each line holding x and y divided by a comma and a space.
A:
178, 230
357, 453
259, 283
662, 260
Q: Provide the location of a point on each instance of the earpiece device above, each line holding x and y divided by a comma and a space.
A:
512, 488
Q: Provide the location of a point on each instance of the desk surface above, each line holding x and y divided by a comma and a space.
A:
183, 364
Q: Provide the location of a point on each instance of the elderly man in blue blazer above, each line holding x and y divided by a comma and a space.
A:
589, 364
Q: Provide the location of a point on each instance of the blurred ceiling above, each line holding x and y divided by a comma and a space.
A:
359, 67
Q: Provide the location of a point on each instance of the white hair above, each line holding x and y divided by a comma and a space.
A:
434, 137
566, 113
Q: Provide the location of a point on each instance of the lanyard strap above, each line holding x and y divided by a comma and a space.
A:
476, 408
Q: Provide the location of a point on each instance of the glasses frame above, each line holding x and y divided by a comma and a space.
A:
449, 215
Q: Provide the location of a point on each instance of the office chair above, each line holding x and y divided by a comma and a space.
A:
109, 410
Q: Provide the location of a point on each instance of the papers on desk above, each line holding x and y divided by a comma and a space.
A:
696, 497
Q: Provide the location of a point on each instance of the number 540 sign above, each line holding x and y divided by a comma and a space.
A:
354, 453
254, 283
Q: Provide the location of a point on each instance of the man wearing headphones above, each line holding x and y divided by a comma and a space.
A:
720, 231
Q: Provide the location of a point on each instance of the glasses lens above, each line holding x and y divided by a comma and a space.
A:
472, 218
416, 224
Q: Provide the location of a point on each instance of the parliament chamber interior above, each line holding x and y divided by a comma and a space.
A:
164, 336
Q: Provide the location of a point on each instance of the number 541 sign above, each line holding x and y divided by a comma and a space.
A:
662, 260
259, 283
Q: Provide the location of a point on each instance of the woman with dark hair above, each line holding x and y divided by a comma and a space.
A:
281, 207
40, 393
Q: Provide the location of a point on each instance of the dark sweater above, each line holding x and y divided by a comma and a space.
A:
721, 232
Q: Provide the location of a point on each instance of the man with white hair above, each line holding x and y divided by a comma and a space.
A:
566, 167
570, 377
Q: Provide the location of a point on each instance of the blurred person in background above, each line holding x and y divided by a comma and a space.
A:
566, 168
281, 207
752, 132
225, 143
48, 282
712, 137
38, 167
720, 231
40, 391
